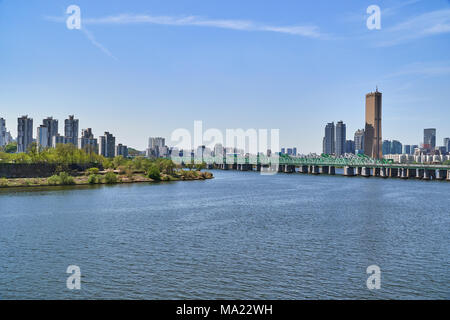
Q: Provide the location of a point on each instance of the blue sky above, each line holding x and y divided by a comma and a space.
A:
146, 68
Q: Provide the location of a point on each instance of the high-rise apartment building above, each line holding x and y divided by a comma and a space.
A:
87, 142
107, 145
24, 133
396, 147
2, 132
341, 136
71, 130
156, 147
429, 138
52, 125
42, 137
373, 132
122, 150
359, 140
328, 140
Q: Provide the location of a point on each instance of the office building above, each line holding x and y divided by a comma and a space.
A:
373, 132
396, 147
341, 136
328, 140
447, 144
407, 149
71, 130
24, 133
429, 139
350, 146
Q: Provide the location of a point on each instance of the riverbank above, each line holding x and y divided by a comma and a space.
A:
99, 179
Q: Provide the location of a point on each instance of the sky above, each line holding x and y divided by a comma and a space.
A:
146, 68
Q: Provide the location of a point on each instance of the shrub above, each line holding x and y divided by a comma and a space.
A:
93, 179
53, 180
92, 171
3, 182
153, 173
65, 179
110, 178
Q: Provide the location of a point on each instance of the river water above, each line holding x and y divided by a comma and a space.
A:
241, 235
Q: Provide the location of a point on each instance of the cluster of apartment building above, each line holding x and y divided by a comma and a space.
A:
47, 136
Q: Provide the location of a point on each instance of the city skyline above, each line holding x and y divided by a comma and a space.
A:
165, 83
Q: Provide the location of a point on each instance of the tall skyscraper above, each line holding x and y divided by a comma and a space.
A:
87, 141
107, 145
359, 140
373, 134
24, 133
71, 130
396, 147
341, 136
429, 138
42, 137
386, 149
52, 125
447, 144
328, 140
2, 132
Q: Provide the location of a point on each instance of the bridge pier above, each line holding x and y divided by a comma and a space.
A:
376, 172
365, 172
393, 172
384, 172
332, 171
315, 170
403, 173
411, 173
429, 174
289, 168
358, 171
349, 171
303, 169
441, 175
448, 175
420, 173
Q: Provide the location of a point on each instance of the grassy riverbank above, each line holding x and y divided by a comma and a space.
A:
108, 177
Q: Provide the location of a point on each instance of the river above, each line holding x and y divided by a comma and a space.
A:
241, 235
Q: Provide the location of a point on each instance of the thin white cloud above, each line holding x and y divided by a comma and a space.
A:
91, 38
309, 31
423, 69
427, 24
89, 35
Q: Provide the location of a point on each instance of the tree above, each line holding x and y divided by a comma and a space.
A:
153, 173
11, 147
